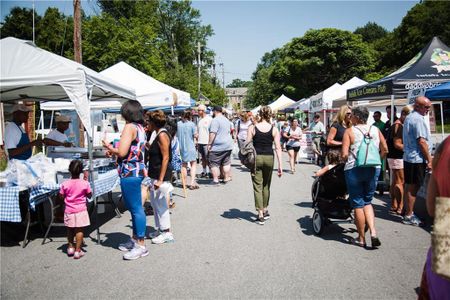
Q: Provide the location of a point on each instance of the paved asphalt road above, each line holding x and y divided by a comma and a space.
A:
221, 253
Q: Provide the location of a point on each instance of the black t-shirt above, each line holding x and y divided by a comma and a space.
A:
155, 160
340, 130
392, 134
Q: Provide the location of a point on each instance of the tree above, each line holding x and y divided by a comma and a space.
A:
55, 32
371, 32
19, 24
421, 23
239, 83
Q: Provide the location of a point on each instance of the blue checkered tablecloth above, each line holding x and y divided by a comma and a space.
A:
9, 204
9, 196
106, 182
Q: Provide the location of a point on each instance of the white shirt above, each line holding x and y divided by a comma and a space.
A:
13, 134
243, 129
203, 130
57, 136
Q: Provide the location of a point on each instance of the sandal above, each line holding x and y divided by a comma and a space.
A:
375, 241
193, 187
227, 180
358, 243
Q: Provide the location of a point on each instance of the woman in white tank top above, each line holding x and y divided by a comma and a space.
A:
362, 181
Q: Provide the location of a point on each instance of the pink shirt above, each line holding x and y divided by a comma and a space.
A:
74, 192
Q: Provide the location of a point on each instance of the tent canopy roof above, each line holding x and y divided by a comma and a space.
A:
428, 68
441, 92
149, 91
281, 103
31, 73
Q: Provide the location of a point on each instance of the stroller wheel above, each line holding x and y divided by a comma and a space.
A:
318, 222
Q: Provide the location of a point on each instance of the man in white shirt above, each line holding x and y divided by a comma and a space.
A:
17, 142
317, 130
203, 136
57, 137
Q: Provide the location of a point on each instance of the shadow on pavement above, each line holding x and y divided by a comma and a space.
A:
235, 213
113, 239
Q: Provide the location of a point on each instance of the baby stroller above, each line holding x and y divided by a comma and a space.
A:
330, 199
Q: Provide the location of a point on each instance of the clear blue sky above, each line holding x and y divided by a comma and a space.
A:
245, 30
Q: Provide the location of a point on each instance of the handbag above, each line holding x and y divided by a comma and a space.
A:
440, 238
248, 156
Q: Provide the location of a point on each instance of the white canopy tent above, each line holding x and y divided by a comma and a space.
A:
149, 91
33, 74
281, 103
322, 100
256, 110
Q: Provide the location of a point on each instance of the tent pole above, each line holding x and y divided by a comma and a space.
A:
392, 109
51, 119
442, 120
171, 110
91, 170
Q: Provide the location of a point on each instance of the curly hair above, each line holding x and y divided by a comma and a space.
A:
157, 117
265, 113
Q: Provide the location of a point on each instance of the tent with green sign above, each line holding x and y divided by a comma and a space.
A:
430, 67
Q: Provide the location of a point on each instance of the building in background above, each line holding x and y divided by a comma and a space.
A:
236, 98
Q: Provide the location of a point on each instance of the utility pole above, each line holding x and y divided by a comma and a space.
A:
33, 25
199, 69
223, 75
77, 51
77, 31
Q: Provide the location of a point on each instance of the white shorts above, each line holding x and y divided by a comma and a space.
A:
395, 163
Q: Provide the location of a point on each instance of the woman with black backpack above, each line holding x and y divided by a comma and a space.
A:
264, 136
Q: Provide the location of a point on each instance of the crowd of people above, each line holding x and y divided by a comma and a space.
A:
154, 146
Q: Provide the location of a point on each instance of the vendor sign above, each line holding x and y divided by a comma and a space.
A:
413, 94
316, 103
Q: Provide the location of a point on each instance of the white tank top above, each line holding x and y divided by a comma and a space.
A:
374, 133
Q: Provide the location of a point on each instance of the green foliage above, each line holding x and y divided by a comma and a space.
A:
19, 24
239, 83
371, 32
311, 63
423, 22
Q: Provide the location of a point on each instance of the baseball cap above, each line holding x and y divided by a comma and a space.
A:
63, 119
21, 107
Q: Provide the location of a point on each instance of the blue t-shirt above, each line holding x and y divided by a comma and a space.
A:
223, 141
414, 128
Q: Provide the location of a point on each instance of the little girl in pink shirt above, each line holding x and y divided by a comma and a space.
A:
75, 192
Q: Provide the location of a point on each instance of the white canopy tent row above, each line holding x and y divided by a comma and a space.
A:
33, 74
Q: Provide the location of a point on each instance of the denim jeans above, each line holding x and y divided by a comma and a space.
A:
361, 185
131, 193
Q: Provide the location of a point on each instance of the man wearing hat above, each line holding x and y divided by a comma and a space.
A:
203, 136
56, 137
220, 145
16, 139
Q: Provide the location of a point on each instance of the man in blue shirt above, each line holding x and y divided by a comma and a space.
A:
220, 146
416, 156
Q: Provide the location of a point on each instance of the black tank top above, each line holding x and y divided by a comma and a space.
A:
262, 141
394, 152
155, 160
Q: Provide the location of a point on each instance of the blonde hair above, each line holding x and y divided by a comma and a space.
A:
406, 110
340, 116
265, 113
244, 116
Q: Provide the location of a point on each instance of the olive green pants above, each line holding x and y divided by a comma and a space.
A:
261, 180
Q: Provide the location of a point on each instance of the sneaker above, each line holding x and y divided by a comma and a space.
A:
215, 184
129, 245
70, 251
154, 234
266, 215
260, 221
203, 175
164, 237
135, 253
78, 254
412, 220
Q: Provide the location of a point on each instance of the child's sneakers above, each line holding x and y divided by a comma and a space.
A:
70, 251
78, 254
